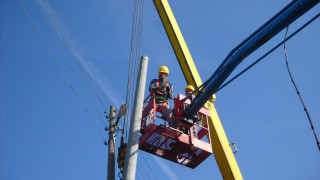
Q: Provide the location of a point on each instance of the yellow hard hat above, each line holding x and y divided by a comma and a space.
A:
190, 87
164, 69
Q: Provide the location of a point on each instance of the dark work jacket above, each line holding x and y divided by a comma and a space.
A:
187, 106
167, 90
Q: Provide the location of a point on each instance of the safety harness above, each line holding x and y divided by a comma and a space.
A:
157, 96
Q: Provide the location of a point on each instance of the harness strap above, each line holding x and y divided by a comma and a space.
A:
158, 83
158, 97
158, 109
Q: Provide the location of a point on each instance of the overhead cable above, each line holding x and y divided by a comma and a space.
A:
130, 69
69, 63
298, 92
251, 36
148, 166
61, 70
134, 59
81, 52
269, 52
144, 170
73, 53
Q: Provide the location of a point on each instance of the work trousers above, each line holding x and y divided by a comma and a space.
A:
166, 112
195, 128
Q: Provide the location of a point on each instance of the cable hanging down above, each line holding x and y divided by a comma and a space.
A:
298, 92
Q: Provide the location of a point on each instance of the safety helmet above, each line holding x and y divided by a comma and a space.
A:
189, 87
164, 69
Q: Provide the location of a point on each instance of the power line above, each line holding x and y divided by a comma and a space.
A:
298, 92
138, 47
269, 52
60, 68
143, 169
137, 176
130, 70
139, 35
134, 58
251, 36
75, 57
149, 166
143, 174
80, 50
134, 63
68, 61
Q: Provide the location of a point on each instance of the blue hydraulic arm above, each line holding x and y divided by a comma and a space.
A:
276, 24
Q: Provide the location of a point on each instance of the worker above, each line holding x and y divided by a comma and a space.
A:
188, 90
163, 91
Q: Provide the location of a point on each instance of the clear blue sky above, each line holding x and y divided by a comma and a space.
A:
45, 133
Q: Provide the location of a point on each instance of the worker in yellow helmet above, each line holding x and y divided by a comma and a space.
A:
189, 89
163, 91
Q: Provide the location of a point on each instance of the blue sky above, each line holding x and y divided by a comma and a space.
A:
46, 134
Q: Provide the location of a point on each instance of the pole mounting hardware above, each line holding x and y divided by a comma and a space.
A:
235, 147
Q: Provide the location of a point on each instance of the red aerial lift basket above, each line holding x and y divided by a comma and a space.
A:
171, 143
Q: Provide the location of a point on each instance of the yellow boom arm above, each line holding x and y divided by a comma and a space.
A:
220, 146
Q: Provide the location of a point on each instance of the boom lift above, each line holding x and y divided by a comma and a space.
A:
181, 148
171, 143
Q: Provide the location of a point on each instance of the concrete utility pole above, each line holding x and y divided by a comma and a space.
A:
135, 122
111, 144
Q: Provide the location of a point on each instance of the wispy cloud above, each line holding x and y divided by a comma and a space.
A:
165, 168
108, 88
61, 28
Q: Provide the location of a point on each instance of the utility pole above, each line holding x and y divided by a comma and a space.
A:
111, 144
135, 123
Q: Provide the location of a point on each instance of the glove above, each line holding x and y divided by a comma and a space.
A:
162, 86
168, 88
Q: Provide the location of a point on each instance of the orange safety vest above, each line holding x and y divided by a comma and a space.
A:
158, 109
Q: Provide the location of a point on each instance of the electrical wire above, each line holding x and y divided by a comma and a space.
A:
136, 56
134, 59
139, 162
130, 69
69, 63
61, 70
143, 174
149, 167
250, 37
81, 52
298, 92
138, 49
141, 23
269, 52
133, 70
73, 53
137, 176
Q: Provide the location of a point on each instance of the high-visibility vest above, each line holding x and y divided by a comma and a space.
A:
158, 96
158, 109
